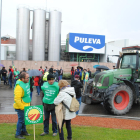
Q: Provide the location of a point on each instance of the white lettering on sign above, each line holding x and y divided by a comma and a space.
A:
87, 40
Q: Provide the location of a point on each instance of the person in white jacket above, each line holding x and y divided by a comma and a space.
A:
64, 97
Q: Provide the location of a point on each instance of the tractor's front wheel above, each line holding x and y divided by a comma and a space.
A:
119, 101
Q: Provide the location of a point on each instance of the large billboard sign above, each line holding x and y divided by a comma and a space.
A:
86, 43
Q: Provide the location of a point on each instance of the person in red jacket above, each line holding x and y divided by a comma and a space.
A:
10, 67
72, 73
36, 81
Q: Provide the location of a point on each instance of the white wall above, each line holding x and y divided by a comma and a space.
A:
113, 48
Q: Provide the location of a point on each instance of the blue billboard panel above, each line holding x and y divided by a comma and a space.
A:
86, 43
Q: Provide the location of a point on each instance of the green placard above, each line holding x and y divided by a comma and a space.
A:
86, 77
33, 114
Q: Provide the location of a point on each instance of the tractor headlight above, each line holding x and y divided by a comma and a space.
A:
93, 83
99, 84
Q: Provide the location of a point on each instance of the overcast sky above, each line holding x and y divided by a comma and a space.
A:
116, 19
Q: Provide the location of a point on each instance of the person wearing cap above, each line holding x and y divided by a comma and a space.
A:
50, 91
77, 86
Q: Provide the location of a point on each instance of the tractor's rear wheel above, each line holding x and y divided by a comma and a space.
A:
119, 101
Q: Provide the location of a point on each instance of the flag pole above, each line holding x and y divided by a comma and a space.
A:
34, 130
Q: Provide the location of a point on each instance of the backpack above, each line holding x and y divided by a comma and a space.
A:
74, 106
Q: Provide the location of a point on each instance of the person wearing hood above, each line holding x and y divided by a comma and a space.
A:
77, 86
65, 96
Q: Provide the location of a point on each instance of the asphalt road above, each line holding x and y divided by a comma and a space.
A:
7, 100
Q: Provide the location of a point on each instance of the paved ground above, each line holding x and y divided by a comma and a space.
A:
7, 100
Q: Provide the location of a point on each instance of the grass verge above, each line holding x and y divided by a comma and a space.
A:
7, 132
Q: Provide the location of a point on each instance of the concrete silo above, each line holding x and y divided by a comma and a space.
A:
39, 29
22, 35
54, 36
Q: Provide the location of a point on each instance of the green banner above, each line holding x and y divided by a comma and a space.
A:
33, 114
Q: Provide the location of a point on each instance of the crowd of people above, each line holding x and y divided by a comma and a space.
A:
53, 91
81, 72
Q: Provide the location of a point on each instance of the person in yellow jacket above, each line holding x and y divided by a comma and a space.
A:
45, 76
21, 99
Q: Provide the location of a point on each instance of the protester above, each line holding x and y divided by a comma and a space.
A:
77, 86
4, 73
10, 67
58, 72
22, 99
51, 70
45, 76
88, 70
41, 81
76, 72
72, 73
10, 78
86, 75
65, 96
50, 91
24, 70
55, 75
97, 71
36, 83
45, 69
31, 83
82, 76
16, 74
61, 74
41, 70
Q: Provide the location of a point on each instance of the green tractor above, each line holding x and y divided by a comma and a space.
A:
119, 88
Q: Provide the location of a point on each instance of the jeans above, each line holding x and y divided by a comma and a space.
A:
79, 100
46, 121
31, 95
60, 77
4, 79
20, 124
69, 131
38, 89
15, 82
10, 82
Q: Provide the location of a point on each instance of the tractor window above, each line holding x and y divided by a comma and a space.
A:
128, 61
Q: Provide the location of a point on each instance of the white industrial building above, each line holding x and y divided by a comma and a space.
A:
113, 48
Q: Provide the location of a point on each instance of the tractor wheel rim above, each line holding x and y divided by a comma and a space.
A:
120, 105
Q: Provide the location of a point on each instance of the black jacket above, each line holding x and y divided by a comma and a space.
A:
51, 70
2, 72
77, 86
89, 74
61, 72
31, 84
